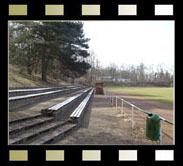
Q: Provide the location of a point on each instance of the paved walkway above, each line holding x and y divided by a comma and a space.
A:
105, 125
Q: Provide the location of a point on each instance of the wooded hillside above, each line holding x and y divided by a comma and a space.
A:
56, 49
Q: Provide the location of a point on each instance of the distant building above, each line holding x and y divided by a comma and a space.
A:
122, 80
109, 78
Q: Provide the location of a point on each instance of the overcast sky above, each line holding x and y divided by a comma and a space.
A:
132, 42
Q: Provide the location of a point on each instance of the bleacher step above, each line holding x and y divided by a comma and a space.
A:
30, 134
55, 135
28, 117
27, 124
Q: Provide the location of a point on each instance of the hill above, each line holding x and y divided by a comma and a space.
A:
19, 78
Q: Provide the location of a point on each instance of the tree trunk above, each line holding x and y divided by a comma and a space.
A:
44, 68
72, 80
45, 59
29, 69
29, 66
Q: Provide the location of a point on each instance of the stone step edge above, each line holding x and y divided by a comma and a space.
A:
18, 130
37, 133
60, 135
25, 118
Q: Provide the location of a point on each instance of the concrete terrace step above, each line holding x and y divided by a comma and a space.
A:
30, 134
55, 135
34, 128
79, 111
35, 95
20, 92
34, 112
26, 91
27, 117
27, 124
19, 102
63, 109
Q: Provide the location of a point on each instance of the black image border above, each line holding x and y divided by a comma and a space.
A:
73, 154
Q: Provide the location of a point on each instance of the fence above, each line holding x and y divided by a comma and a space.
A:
139, 116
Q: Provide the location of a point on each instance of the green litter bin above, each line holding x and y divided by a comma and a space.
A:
153, 127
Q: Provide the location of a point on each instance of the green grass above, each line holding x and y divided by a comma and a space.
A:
158, 94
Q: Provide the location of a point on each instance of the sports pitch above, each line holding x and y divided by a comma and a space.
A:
158, 94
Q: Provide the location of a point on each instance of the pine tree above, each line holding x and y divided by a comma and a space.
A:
58, 47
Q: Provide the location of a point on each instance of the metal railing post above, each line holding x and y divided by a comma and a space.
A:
112, 99
122, 106
161, 138
132, 116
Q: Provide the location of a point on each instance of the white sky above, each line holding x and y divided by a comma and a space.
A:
132, 42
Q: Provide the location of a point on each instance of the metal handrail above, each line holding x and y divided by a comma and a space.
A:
139, 109
146, 112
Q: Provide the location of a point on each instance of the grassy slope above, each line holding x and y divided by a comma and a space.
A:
17, 79
162, 95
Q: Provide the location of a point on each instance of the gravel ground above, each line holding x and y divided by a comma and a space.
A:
104, 125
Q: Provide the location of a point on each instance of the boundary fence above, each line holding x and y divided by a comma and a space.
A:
119, 102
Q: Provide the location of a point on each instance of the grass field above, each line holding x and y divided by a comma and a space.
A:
159, 94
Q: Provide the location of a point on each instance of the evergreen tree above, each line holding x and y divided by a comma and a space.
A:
58, 47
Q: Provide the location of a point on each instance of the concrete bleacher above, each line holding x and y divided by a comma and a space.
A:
18, 102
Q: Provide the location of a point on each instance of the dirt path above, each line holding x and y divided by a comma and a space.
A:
106, 126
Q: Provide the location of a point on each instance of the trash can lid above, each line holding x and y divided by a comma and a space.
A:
154, 116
